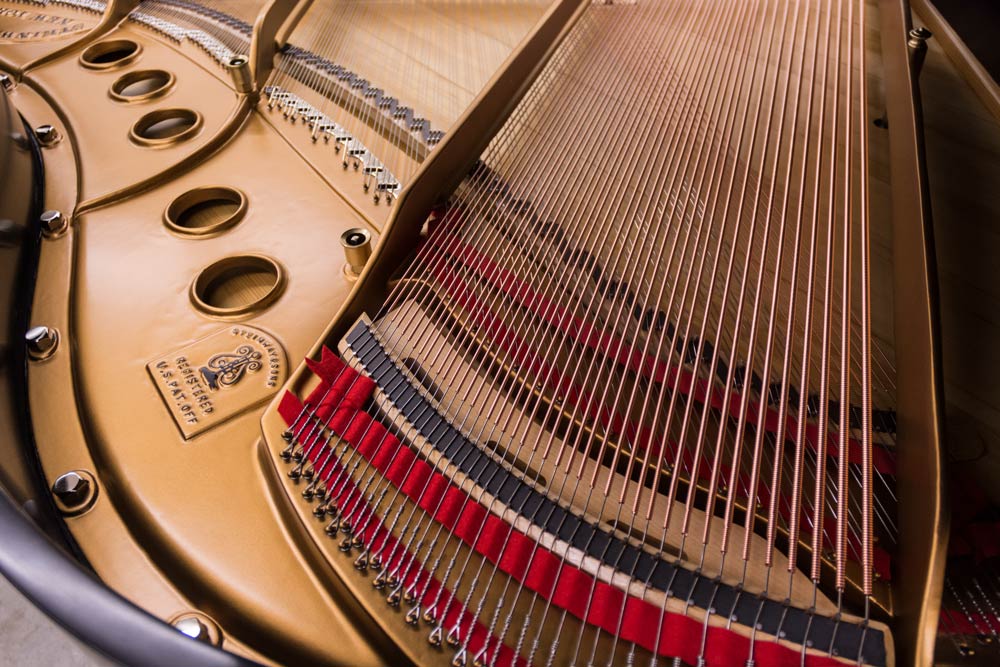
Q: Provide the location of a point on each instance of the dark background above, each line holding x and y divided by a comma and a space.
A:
978, 23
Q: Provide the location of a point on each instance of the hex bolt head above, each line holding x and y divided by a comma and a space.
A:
6, 82
72, 489
194, 628
75, 492
42, 342
47, 135
53, 223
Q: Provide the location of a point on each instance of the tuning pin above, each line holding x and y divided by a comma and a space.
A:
310, 491
309, 472
298, 454
375, 563
361, 562
454, 637
345, 545
333, 527
345, 525
287, 452
410, 596
357, 542
482, 658
435, 636
413, 616
395, 596
379, 581
296, 472
459, 659
320, 510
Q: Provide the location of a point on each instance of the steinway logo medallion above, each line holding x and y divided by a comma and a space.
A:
226, 370
216, 378
23, 25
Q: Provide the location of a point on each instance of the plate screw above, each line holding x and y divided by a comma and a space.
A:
47, 135
74, 491
42, 342
53, 223
6, 82
198, 626
194, 628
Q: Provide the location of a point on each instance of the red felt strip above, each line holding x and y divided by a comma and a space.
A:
956, 622
655, 370
357, 389
376, 535
595, 602
615, 423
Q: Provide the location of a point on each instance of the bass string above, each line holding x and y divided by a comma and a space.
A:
620, 502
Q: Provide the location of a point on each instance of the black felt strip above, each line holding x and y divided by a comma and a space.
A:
799, 626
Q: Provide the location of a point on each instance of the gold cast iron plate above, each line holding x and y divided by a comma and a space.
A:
207, 382
31, 25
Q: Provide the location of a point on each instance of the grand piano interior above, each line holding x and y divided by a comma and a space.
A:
503, 332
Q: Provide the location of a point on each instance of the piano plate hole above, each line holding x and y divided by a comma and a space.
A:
238, 285
164, 127
110, 54
141, 85
206, 211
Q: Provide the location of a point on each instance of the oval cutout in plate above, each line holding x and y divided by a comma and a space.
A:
110, 54
237, 285
205, 211
141, 85
165, 127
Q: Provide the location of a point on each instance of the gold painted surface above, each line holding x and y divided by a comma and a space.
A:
30, 31
181, 524
28, 25
101, 126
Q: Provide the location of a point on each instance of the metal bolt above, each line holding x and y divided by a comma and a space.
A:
917, 43
53, 223
73, 491
920, 34
6, 82
194, 628
47, 135
239, 69
42, 342
357, 244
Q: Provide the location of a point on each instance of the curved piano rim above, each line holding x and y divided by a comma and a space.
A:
37, 554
